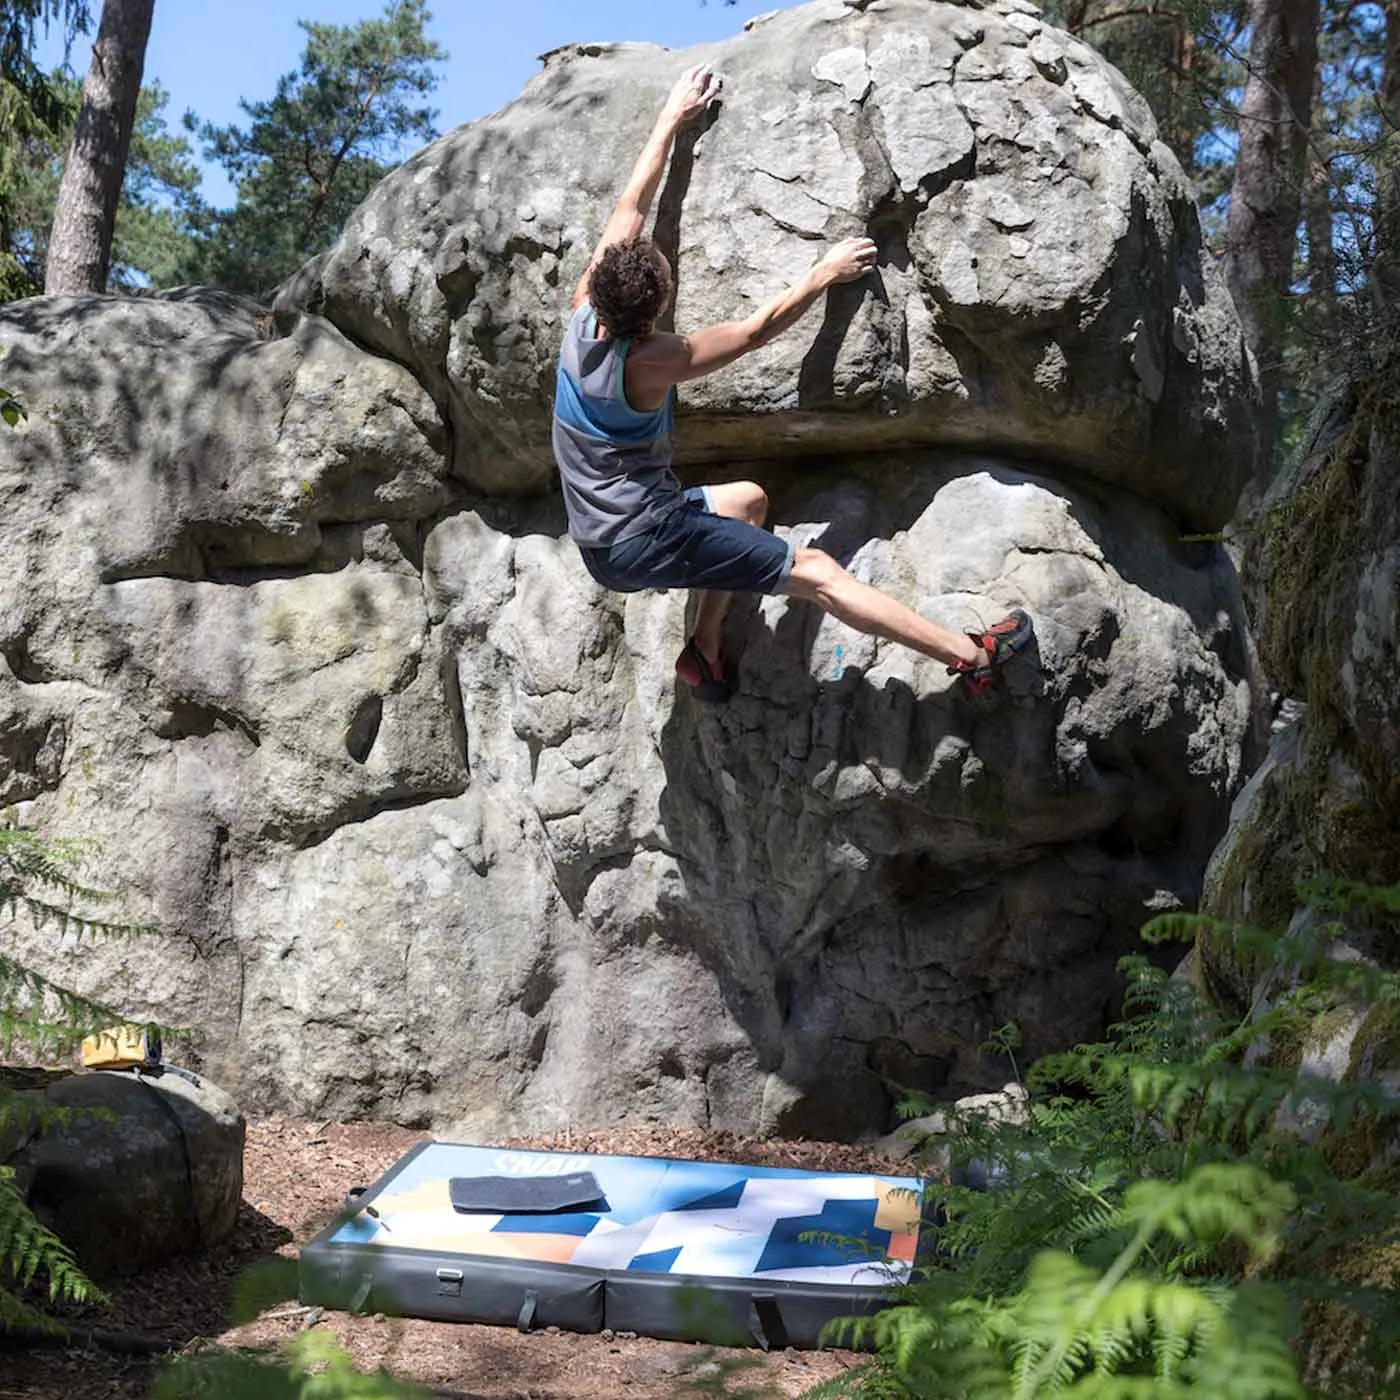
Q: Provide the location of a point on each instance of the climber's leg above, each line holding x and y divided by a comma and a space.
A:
817, 577
735, 500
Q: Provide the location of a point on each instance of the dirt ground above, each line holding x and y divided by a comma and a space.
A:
295, 1177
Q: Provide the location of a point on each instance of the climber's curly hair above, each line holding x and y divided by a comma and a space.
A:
629, 287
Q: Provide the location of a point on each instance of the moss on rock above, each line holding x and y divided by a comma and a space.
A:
1327, 802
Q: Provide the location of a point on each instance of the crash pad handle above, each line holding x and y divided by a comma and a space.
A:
766, 1324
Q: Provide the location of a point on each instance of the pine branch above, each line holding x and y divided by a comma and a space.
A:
1136, 12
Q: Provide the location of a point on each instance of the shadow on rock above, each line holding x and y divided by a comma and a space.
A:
880, 868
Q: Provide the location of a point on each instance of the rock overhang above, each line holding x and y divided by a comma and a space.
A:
1043, 286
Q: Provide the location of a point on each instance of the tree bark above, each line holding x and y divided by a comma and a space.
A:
1183, 140
80, 246
1267, 191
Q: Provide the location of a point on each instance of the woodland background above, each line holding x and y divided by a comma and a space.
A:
1284, 112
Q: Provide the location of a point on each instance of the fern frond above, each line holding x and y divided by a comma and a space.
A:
226, 1376
27, 1250
1152, 1228
30, 863
873, 1379
312, 1366
1249, 1357
26, 1114
1329, 895
1222, 1200
42, 1013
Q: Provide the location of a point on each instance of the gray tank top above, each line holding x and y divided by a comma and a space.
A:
614, 462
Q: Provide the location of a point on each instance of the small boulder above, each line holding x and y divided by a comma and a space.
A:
1011, 1104
145, 1167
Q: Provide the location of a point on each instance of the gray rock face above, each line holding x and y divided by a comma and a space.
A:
1323, 567
426, 827
1043, 289
141, 1171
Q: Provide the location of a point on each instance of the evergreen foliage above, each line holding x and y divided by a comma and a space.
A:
1349, 235
1191, 60
31, 110
1183, 58
42, 1018
156, 219
312, 152
1178, 1202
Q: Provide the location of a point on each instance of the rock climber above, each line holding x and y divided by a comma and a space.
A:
632, 521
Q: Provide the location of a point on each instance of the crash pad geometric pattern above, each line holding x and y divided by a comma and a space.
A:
658, 1216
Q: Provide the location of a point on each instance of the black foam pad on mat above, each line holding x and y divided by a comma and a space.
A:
514, 1195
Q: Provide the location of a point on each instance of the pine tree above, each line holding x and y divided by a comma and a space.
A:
1387, 167
1341, 300
153, 242
30, 111
80, 247
1178, 54
1266, 193
313, 151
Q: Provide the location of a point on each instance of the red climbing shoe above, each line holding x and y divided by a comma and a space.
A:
706, 682
1001, 641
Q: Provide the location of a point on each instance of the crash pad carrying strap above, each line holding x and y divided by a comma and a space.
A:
766, 1324
534, 1195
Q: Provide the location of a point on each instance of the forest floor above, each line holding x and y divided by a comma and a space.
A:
295, 1177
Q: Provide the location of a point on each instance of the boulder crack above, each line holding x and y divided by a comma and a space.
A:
306, 839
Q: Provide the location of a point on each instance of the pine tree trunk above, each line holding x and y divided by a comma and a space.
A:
1266, 194
80, 247
1183, 136
1390, 78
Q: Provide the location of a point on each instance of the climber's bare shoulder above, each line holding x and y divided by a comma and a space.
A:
664, 358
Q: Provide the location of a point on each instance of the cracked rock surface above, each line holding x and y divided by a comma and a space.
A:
290, 626
1043, 286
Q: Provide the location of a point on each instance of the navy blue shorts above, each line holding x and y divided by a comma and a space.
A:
693, 548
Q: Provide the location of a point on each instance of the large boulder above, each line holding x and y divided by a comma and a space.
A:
1322, 567
1043, 287
1323, 572
423, 822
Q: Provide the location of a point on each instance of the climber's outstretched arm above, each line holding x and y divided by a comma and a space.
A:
659, 361
692, 95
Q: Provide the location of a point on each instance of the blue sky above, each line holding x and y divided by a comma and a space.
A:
209, 53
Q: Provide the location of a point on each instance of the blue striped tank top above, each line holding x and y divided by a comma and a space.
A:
614, 462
